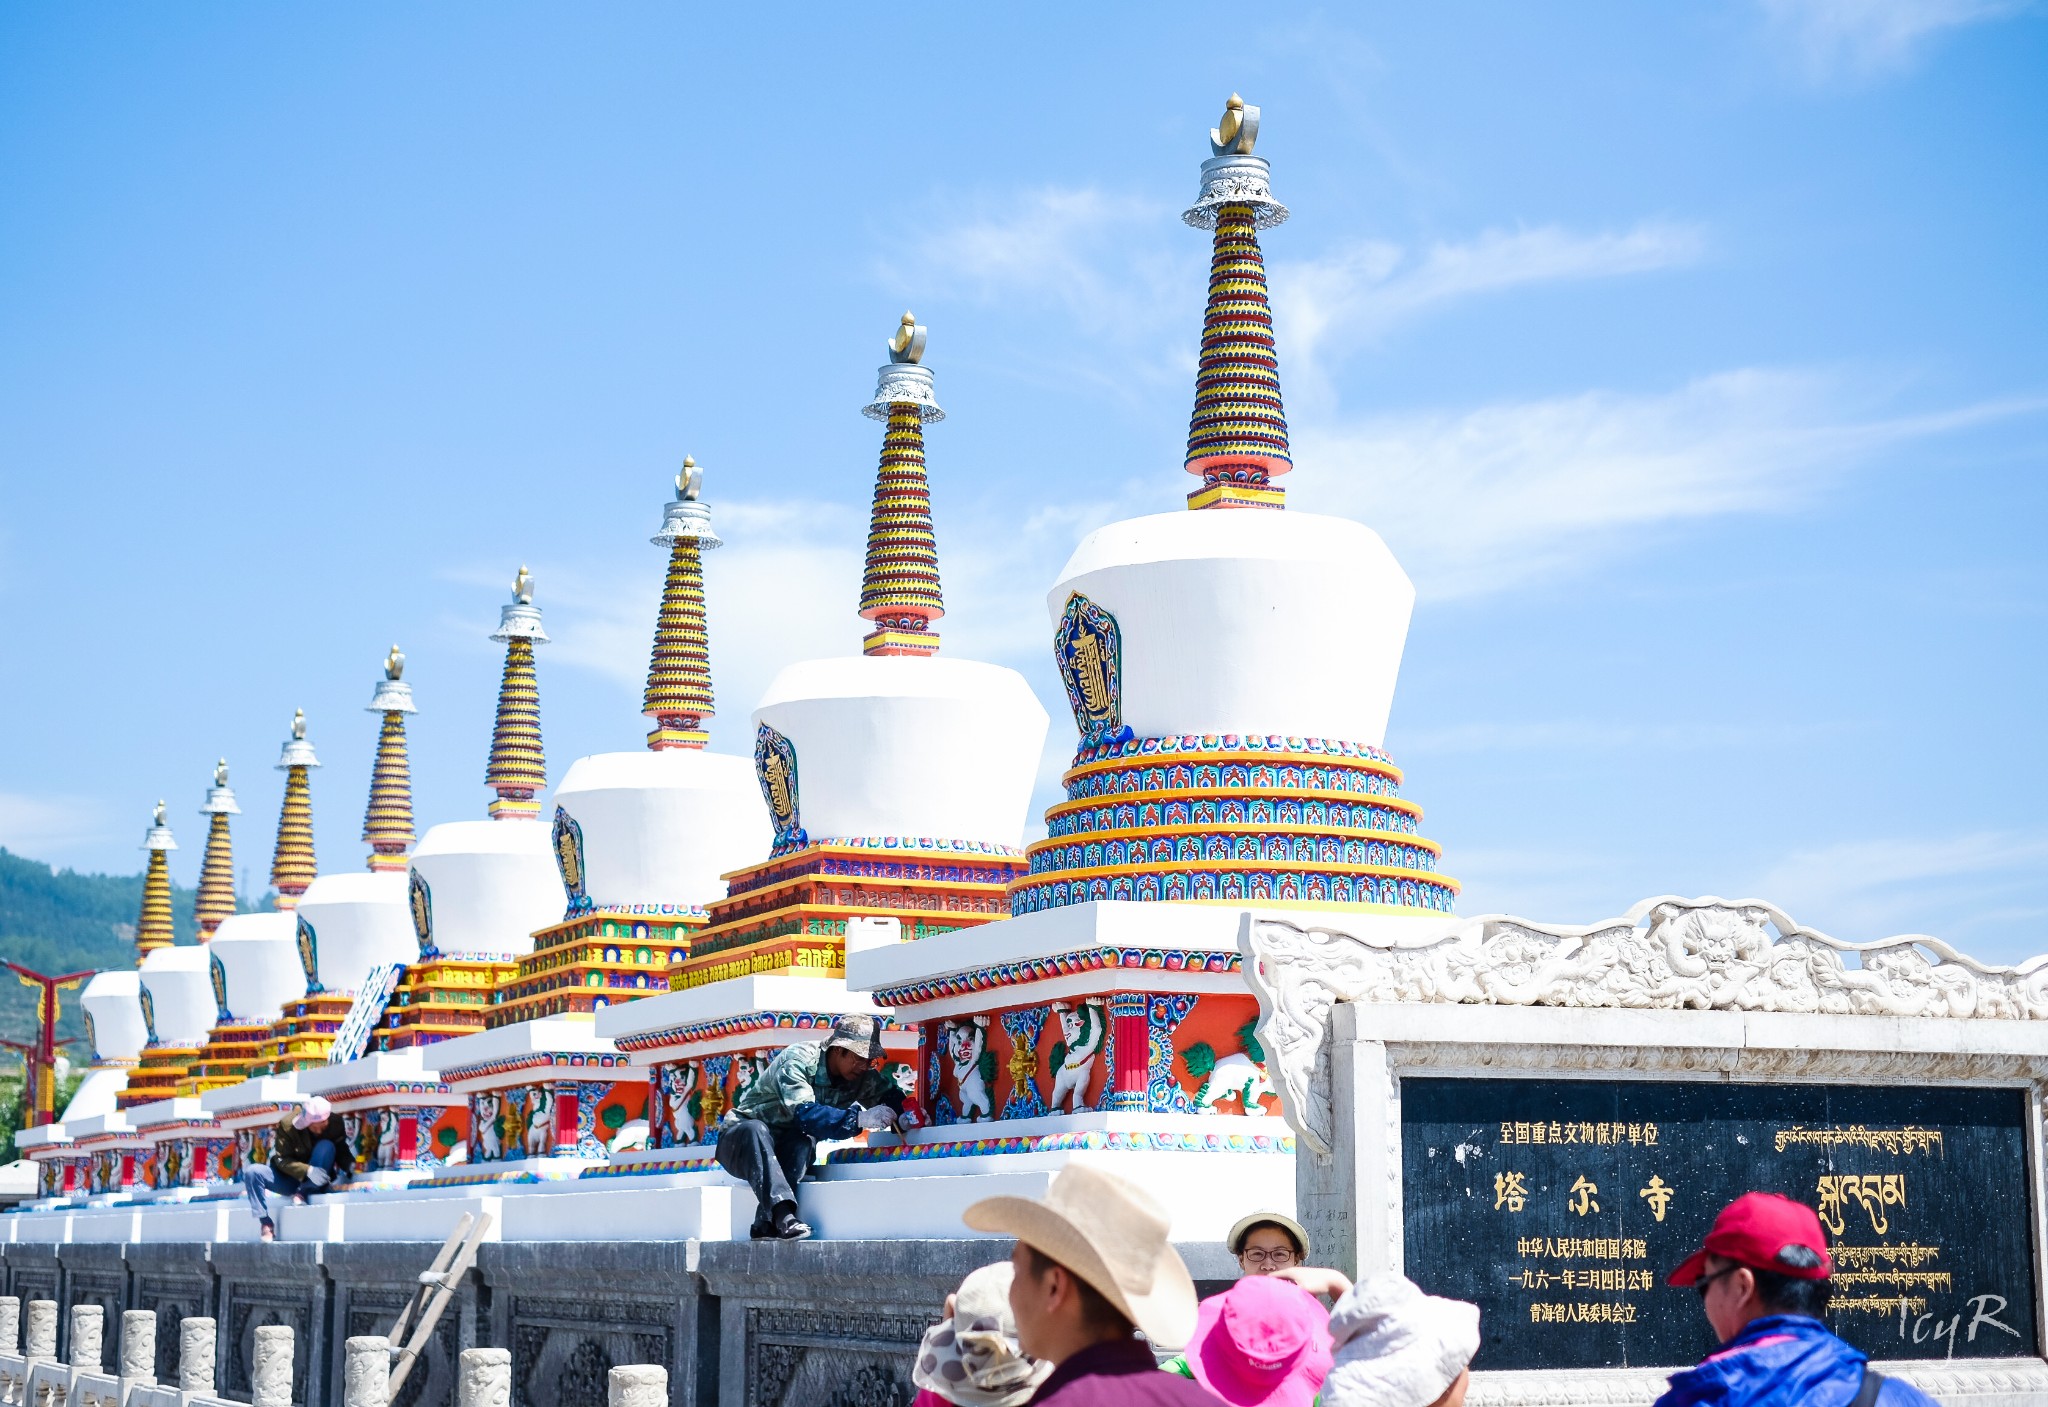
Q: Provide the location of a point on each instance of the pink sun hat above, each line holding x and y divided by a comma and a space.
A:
1264, 1342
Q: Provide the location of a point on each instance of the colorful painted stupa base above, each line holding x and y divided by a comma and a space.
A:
443, 998
185, 1146
303, 1035
1234, 819
789, 914
161, 1073
49, 1147
402, 1122
110, 1154
707, 1045
233, 1051
247, 1115
591, 960
545, 1099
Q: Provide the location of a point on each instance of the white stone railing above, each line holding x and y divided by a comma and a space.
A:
484, 1375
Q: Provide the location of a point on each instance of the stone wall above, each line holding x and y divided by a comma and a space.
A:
737, 1324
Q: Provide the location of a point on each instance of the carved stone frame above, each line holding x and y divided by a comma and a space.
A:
1350, 1200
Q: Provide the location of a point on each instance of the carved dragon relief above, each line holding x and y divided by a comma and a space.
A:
1666, 953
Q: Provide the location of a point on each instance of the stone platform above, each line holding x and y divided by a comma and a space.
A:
737, 1324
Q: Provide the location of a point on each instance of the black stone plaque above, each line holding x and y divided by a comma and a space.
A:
1559, 1206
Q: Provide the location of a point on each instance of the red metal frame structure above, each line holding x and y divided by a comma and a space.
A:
40, 1057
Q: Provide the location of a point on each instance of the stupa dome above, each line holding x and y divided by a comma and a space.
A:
350, 923
482, 887
258, 968
661, 827
113, 1008
909, 747
1248, 622
178, 995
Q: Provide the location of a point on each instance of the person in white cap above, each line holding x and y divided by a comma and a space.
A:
1093, 1268
308, 1150
1398, 1347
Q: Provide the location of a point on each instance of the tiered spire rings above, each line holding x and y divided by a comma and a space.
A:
153, 924
678, 696
1237, 439
899, 590
518, 769
387, 826
291, 864
216, 900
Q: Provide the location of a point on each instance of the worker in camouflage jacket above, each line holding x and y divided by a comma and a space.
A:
811, 1090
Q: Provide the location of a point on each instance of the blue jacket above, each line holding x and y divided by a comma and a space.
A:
1783, 1360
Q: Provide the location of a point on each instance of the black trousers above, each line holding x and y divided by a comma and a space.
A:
771, 1161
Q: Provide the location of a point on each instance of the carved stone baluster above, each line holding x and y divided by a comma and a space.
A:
195, 1355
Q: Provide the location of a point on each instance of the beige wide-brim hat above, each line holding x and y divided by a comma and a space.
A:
1243, 1228
1111, 1234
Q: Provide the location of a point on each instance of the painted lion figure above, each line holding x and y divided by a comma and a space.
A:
1082, 1027
974, 1067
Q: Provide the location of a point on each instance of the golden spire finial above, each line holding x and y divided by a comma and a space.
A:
522, 587
220, 773
298, 725
907, 343
394, 664
1238, 132
690, 482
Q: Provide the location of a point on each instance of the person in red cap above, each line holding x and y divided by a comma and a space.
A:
1763, 1277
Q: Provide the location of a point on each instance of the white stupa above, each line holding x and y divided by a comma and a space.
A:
480, 888
656, 830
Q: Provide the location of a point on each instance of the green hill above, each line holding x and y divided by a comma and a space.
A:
63, 921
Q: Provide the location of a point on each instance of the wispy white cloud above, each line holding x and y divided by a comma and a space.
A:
1108, 263
1487, 499
1325, 307
42, 826
1994, 884
1866, 38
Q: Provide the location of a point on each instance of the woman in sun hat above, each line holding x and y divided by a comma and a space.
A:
1267, 1242
1093, 1267
1264, 1342
971, 1357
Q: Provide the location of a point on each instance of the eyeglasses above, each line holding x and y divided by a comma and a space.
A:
1281, 1258
1704, 1281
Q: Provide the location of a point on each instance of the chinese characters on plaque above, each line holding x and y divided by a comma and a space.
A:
1555, 1203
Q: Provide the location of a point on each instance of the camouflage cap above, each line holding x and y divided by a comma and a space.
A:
858, 1033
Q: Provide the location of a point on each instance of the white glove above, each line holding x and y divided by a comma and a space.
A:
879, 1116
319, 1176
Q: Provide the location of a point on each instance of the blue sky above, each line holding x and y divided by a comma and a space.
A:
1689, 357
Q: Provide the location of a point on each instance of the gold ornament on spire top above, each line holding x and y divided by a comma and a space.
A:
1238, 132
394, 664
220, 773
906, 345
298, 725
522, 587
690, 482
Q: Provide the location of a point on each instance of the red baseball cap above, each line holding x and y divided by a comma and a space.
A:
1764, 1232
